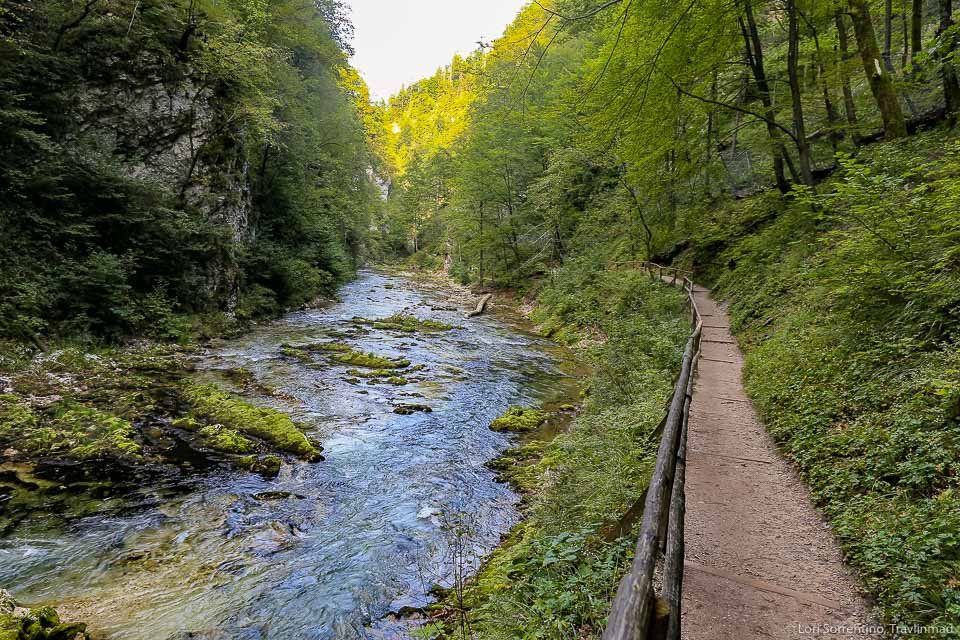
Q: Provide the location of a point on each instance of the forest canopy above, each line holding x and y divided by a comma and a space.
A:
597, 124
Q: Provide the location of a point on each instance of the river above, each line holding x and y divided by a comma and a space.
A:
328, 549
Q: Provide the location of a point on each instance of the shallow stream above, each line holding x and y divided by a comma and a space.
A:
330, 549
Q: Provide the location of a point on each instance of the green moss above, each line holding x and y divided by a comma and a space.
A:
327, 347
519, 420
397, 381
405, 323
407, 409
368, 360
373, 373
267, 465
67, 429
42, 623
216, 406
296, 353
16, 419
225, 439
9, 628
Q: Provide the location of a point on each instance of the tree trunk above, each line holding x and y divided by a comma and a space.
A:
755, 57
849, 106
888, 34
888, 52
916, 29
881, 81
799, 127
833, 117
905, 28
951, 87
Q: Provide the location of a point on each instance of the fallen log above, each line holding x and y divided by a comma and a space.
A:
481, 306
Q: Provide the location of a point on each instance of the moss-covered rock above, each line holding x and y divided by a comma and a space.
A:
405, 323
215, 406
519, 420
368, 360
296, 353
326, 347
221, 438
407, 409
268, 466
42, 623
371, 373
67, 429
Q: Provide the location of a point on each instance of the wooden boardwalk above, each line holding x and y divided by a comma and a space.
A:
760, 561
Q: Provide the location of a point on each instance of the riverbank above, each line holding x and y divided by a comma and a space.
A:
398, 386
79, 426
558, 569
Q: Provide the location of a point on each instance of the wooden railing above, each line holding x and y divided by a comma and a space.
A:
638, 613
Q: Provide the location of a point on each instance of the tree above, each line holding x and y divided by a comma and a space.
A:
754, 49
849, 106
799, 128
948, 44
916, 27
881, 81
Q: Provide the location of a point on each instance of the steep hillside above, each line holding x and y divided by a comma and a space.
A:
798, 155
166, 159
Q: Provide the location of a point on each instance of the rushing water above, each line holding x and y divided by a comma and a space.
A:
325, 550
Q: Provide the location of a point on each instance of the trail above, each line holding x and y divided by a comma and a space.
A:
760, 560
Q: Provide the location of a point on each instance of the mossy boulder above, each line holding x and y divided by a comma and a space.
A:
215, 406
296, 353
519, 420
326, 347
405, 323
407, 409
225, 439
42, 623
372, 373
66, 429
268, 466
369, 360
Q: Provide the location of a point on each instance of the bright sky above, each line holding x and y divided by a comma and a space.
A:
401, 41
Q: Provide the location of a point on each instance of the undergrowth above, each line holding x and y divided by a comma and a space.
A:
555, 575
848, 304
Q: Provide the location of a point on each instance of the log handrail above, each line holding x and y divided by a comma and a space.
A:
637, 613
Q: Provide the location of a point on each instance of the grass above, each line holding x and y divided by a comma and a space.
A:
848, 306
555, 574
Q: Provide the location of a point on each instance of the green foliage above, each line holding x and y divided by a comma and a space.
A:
847, 301
167, 159
557, 571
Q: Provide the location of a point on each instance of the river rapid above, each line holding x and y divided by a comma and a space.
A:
328, 549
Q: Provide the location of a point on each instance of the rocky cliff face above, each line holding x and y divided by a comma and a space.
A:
169, 132
164, 158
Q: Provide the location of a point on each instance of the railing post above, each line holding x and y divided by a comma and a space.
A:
637, 613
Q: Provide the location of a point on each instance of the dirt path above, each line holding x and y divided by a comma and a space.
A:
760, 560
